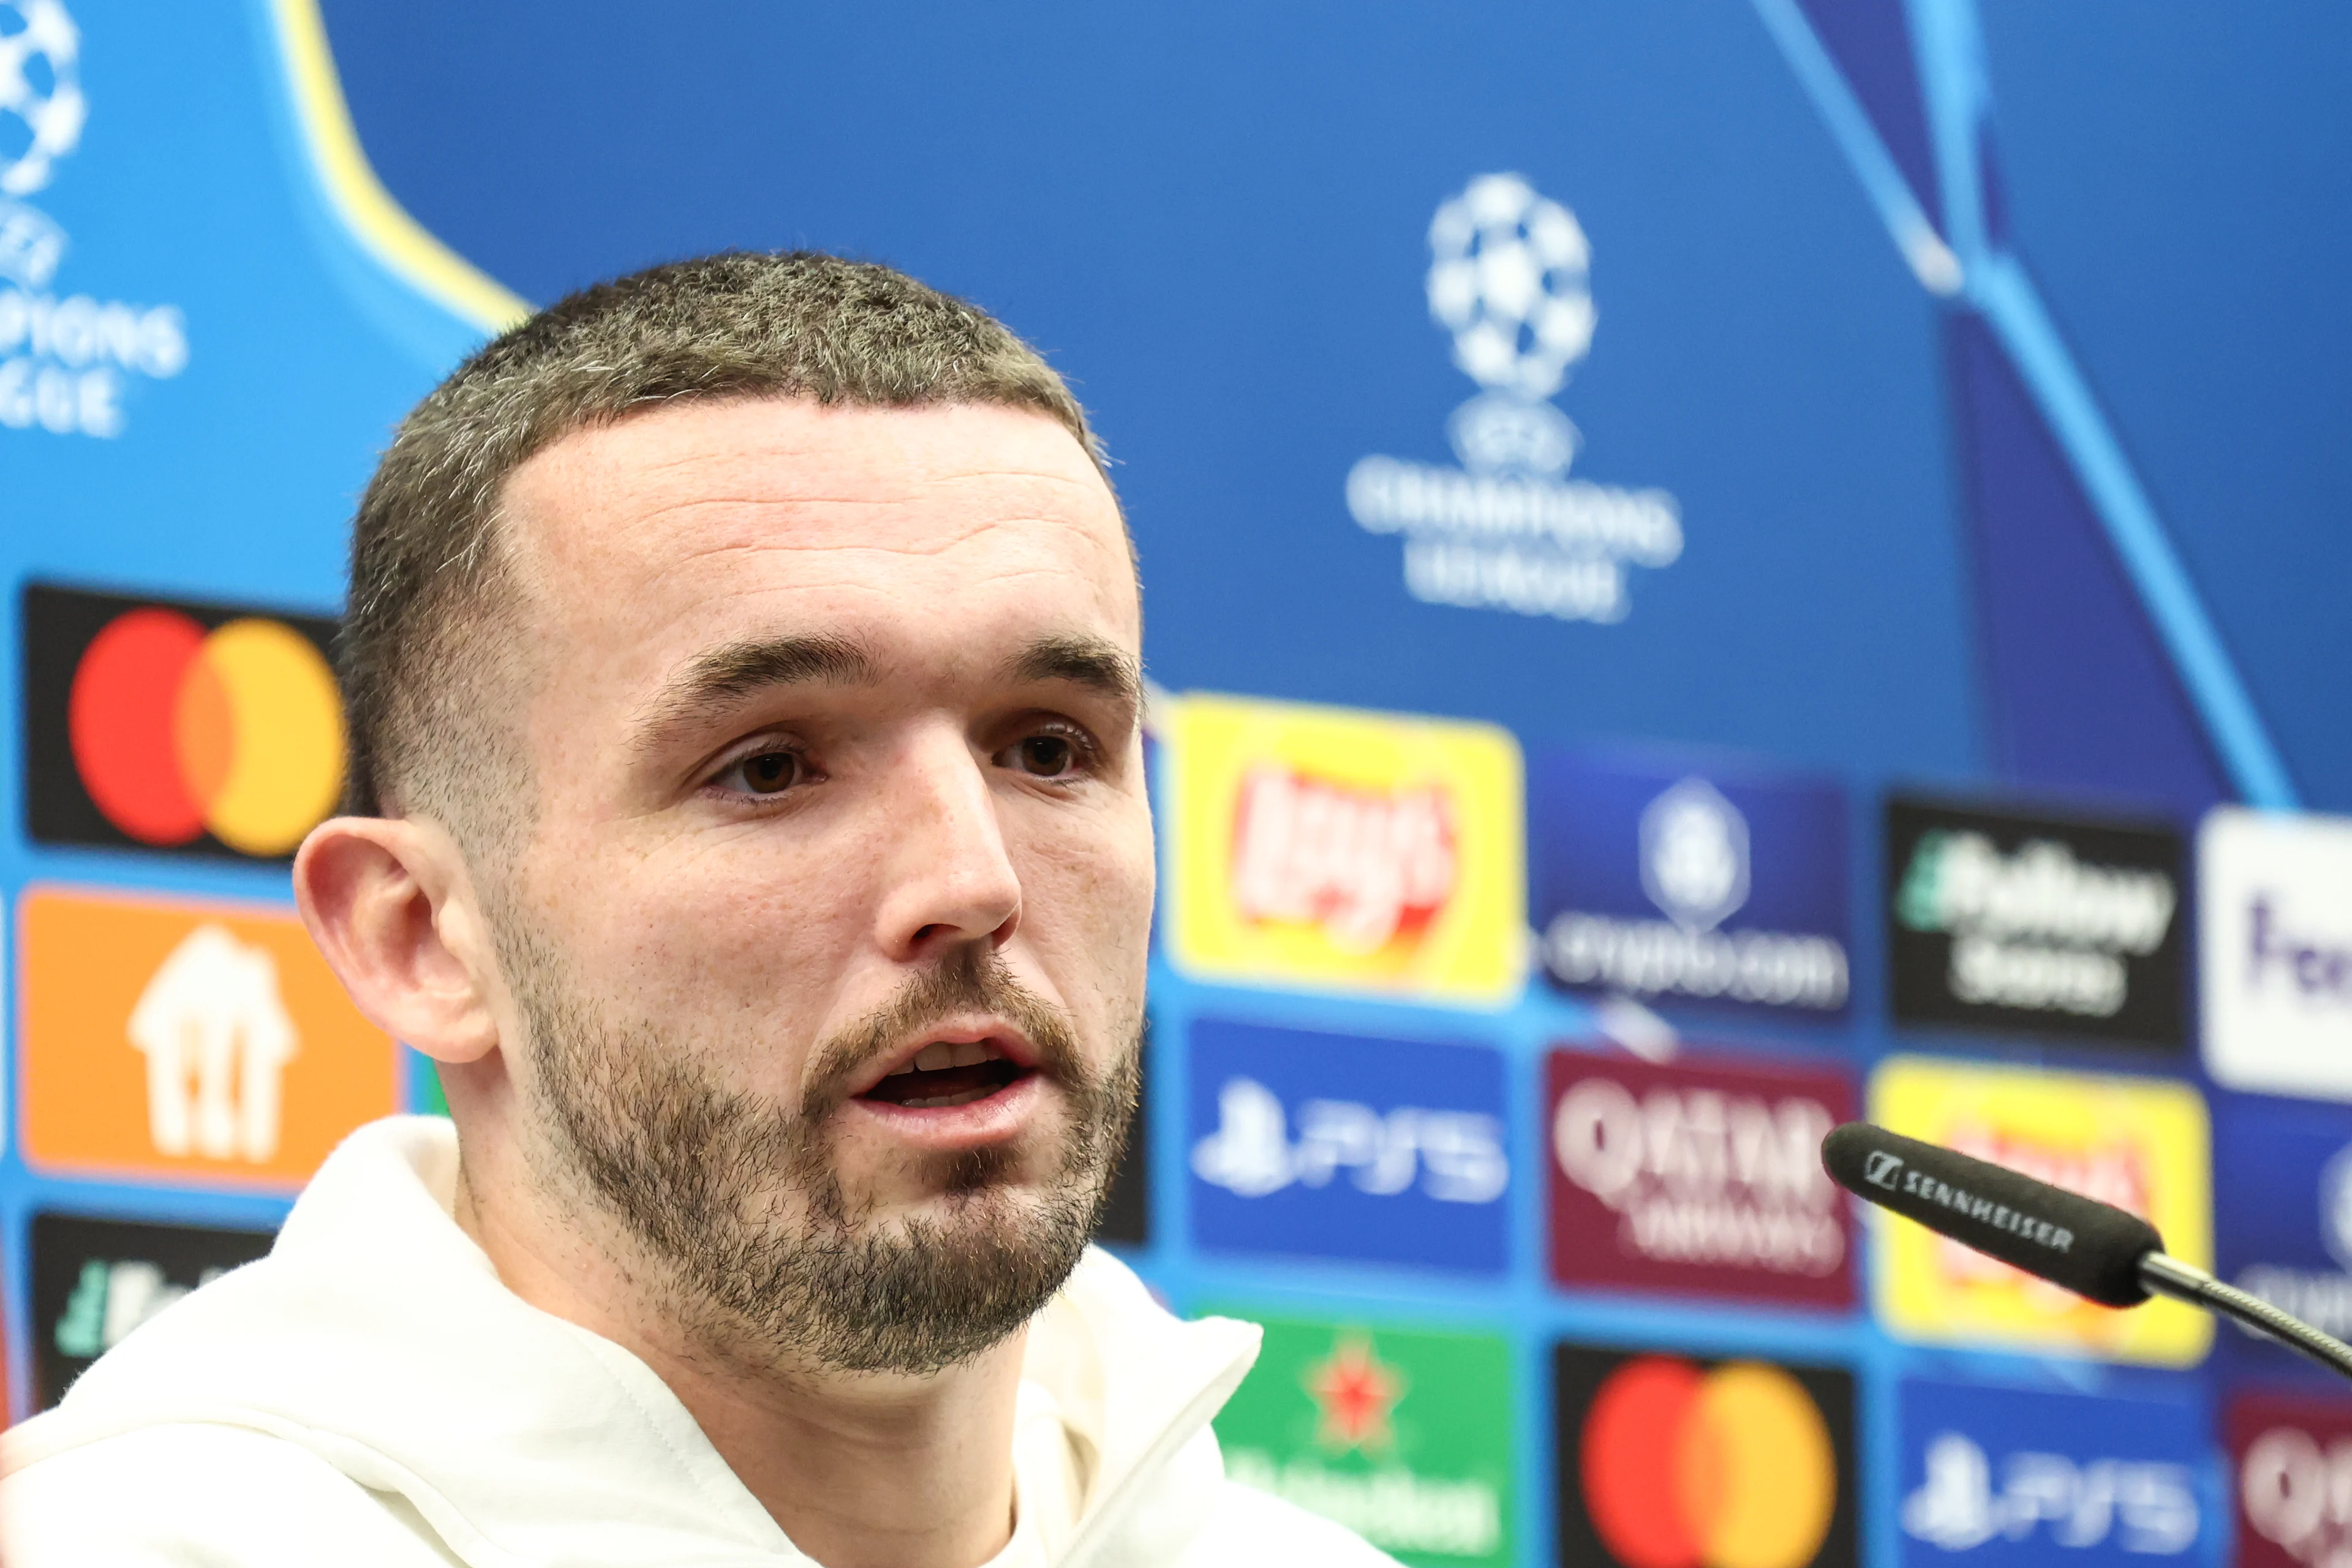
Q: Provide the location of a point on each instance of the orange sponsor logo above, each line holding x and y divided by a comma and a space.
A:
164, 1039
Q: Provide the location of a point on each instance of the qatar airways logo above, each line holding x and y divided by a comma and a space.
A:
1703, 1177
2293, 1463
1366, 866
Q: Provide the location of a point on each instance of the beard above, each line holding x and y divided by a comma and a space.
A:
758, 1250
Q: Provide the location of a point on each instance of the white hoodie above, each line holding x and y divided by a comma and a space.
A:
370, 1396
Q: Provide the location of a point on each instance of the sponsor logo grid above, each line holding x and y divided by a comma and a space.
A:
1364, 860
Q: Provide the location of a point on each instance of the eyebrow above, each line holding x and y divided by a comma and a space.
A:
733, 671
1094, 662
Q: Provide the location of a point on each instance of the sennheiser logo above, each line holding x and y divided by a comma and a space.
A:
1880, 1169
1508, 278
1984, 1211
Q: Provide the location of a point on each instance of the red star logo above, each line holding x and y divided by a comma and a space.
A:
1356, 1391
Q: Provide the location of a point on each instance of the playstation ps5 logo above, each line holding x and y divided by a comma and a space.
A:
1508, 278
1879, 1170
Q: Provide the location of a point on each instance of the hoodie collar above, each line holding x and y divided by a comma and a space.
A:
379, 1336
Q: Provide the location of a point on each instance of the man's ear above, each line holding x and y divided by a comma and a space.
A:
390, 904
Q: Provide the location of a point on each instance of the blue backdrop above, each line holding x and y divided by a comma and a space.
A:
1985, 357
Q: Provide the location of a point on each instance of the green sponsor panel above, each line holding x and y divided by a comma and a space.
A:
1403, 1436
425, 1096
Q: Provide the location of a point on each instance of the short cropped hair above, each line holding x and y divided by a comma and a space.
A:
432, 585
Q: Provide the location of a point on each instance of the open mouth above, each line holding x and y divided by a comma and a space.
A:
941, 1075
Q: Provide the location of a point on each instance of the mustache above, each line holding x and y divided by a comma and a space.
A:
968, 980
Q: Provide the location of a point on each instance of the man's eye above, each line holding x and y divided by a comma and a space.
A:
768, 773
1046, 756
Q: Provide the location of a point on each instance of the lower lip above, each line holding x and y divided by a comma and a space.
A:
947, 1129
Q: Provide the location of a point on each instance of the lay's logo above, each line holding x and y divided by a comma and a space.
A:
2140, 1143
1328, 847
1365, 865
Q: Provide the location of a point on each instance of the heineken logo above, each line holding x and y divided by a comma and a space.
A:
1355, 1390
1403, 1435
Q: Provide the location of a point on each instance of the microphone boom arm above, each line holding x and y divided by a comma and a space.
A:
2168, 1276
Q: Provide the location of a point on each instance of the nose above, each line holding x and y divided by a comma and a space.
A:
947, 877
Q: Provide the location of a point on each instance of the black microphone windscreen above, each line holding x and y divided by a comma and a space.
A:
2091, 1248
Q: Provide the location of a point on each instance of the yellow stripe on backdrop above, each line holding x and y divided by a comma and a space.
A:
359, 198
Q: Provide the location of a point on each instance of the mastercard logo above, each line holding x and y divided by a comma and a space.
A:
181, 726
1688, 1468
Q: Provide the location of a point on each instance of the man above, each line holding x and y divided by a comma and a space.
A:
747, 814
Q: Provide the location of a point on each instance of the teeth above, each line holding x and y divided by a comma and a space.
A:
895, 1072
940, 1099
935, 1056
971, 1054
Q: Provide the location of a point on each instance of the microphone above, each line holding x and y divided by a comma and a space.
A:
2096, 1250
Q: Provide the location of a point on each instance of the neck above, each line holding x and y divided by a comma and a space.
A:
859, 1469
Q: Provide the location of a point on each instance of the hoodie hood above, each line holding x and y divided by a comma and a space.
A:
380, 1338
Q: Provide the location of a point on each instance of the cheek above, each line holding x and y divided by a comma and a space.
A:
1088, 899
735, 931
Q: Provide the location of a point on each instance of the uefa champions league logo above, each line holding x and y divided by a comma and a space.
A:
41, 105
1506, 278
1509, 280
67, 365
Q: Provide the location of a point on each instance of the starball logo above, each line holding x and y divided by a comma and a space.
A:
1324, 846
67, 364
2283, 1176
1508, 278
